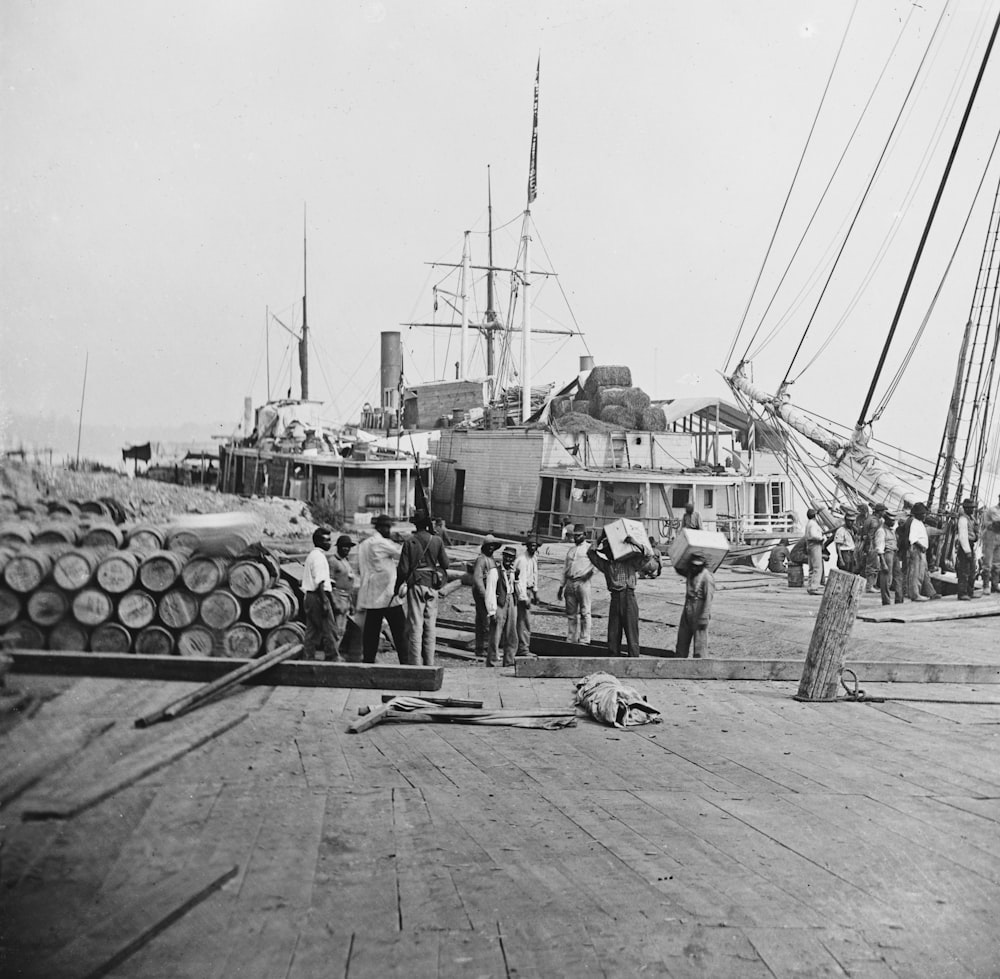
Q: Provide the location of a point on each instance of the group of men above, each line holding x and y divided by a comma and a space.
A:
390, 574
503, 593
620, 575
892, 557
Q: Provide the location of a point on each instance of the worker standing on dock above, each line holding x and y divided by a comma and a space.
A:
377, 559
814, 538
526, 589
342, 581
965, 551
620, 575
318, 593
843, 542
422, 567
991, 549
501, 602
699, 591
575, 588
480, 572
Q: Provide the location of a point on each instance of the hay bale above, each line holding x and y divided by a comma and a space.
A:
581, 407
604, 377
636, 399
619, 416
561, 406
575, 423
653, 420
605, 398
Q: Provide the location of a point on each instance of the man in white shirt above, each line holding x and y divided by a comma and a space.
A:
814, 542
991, 549
575, 588
526, 590
378, 556
317, 591
918, 581
501, 608
843, 541
965, 551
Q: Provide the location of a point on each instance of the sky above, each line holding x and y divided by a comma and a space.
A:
161, 161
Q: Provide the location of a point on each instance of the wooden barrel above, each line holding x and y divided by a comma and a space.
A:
154, 640
69, 637
74, 569
249, 577
178, 608
96, 508
136, 609
27, 569
196, 640
796, 576
203, 574
220, 610
16, 533
57, 532
144, 538
111, 637
242, 641
65, 509
47, 605
23, 635
7, 551
10, 607
272, 608
160, 570
105, 535
117, 571
92, 607
284, 634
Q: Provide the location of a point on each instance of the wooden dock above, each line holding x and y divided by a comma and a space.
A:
746, 835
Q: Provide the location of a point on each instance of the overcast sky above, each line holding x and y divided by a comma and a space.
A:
157, 158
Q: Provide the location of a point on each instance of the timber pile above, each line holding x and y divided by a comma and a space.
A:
198, 587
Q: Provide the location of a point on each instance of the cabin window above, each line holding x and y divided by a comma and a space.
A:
709, 499
680, 496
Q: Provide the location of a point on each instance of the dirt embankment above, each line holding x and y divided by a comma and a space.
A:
148, 501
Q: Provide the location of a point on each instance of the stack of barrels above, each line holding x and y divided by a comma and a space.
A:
75, 580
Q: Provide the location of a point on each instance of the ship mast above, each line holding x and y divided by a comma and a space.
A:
304, 341
526, 241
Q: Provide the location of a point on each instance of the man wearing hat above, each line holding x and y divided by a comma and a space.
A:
814, 537
699, 590
575, 587
501, 607
377, 559
480, 573
965, 551
422, 567
843, 541
620, 574
919, 587
342, 581
317, 592
890, 581
526, 588
872, 525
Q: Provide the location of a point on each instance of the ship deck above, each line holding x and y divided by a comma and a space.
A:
746, 835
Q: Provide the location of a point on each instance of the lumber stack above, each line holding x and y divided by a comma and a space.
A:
199, 587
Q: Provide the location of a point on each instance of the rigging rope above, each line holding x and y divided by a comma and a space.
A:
864, 197
791, 188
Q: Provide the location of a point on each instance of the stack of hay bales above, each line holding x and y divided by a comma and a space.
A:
608, 395
92, 585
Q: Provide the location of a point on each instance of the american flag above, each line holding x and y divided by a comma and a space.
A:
533, 165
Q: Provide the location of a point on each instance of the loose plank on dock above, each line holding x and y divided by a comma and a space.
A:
642, 668
148, 913
942, 611
203, 669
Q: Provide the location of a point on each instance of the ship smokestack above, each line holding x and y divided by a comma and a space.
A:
391, 373
586, 363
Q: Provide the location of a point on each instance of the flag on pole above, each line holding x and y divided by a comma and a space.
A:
533, 164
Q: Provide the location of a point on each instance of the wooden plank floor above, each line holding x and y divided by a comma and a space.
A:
747, 835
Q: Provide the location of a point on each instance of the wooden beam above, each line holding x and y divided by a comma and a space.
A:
749, 669
941, 611
86, 785
204, 669
144, 915
548, 645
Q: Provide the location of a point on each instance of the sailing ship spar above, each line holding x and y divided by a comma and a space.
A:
862, 474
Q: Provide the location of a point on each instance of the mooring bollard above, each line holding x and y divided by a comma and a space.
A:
828, 645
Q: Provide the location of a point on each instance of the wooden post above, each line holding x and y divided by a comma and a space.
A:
828, 645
